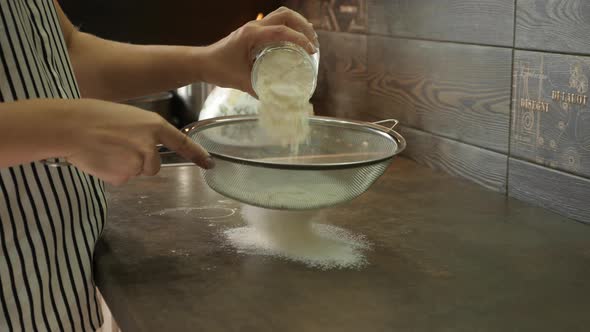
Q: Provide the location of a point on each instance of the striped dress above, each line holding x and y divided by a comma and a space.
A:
50, 218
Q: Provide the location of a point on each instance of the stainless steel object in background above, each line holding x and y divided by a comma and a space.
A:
179, 107
194, 96
160, 103
340, 161
191, 98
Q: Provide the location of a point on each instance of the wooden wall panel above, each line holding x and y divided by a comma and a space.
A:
457, 91
454, 98
481, 166
334, 15
342, 79
488, 22
553, 25
553, 190
551, 111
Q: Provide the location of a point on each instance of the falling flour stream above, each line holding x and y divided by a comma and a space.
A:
283, 84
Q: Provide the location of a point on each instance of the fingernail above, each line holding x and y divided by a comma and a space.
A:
316, 42
209, 163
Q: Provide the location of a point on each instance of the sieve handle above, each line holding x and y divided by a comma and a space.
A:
162, 150
394, 121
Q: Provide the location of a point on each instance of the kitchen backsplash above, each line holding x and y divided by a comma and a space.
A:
495, 91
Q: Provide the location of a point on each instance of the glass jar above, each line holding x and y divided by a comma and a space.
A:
274, 57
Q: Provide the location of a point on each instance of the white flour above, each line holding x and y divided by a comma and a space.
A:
283, 84
292, 190
294, 236
284, 81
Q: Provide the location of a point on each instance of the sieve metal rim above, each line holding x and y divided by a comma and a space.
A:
374, 127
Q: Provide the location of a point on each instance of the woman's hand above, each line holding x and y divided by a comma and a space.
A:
117, 142
230, 60
113, 142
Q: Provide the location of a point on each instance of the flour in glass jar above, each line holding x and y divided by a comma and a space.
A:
284, 80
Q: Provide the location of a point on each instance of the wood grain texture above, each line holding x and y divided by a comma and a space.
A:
564, 193
342, 78
481, 166
488, 22
553, 25
559, 137
458, 91
333, 15
310, 9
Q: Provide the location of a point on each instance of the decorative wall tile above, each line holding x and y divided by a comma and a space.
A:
551, 111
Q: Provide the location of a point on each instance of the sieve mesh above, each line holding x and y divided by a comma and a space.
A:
339, 161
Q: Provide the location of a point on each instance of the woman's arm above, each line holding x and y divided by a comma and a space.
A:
117, 71
117, 142
32, 130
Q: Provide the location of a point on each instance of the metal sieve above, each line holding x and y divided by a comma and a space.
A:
339, 161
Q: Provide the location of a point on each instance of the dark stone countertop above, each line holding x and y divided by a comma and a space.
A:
447, 256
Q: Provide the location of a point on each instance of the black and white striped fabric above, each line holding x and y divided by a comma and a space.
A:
50, 218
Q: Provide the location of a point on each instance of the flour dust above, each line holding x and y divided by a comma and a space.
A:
295, 236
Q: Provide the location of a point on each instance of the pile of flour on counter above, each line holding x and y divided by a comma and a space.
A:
295, 236
283, 84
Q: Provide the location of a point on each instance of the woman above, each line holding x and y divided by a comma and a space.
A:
57, 87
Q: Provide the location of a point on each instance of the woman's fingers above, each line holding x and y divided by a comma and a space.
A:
292, 19
173, 139
151, 163
279, 33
